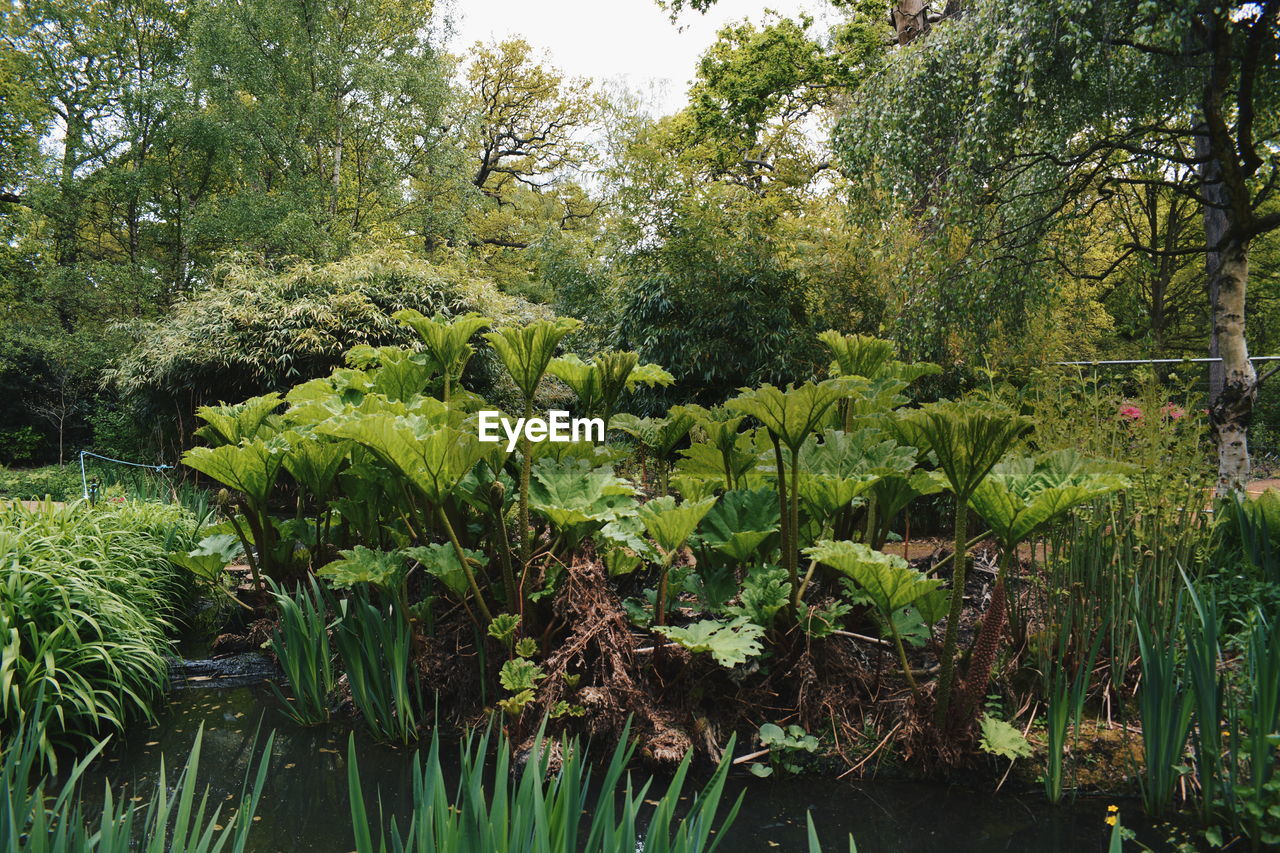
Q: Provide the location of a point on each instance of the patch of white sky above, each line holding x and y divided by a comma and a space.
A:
631, 44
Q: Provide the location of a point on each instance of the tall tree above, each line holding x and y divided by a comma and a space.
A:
1039, 106
522, 131
328, 108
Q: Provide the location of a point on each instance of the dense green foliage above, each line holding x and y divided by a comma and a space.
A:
254, 213
86, 596
312, 234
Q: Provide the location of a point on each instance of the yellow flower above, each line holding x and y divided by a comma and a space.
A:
1111, 820
1113, 809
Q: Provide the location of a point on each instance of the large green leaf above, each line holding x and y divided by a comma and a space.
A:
208, 559
659, 436
527, 350
432, 458
765, 591
313, 460
871, 358
250, 468
401, 375
627, 533
319, 399
704, 461
384, 569
600, 383
1023, 494
1001, 739
886, 579
892, 493
441, 560
933, 606
232, 424
850, 455
791, 413
446, 339
742, 522
730, 643
718, 426
967, 439
843, 466
671, 524
583, 378
577, 498
857, 355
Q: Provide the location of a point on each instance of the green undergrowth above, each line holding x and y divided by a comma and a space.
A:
87, 595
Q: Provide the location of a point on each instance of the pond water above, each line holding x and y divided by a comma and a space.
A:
304, 806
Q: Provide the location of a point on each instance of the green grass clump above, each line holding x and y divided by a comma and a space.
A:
86, 597
549, 806
301, 644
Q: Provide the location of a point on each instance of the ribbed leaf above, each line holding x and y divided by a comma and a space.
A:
1023, 494
967, 439
526, 351
578, 498
730, 643
885, 578
445, 339
741, 522
671, 524
793, 412
250, 468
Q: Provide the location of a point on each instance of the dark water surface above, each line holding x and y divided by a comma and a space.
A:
304, 806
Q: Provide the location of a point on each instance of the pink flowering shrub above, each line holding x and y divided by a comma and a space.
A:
1169, 411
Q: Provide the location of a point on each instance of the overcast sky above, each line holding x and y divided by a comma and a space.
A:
632, 41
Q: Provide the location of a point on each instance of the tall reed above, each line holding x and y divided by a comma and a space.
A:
546, 810
374, 642
1096, 560
1066, 689
1165, 707
1207, 681
301, 644
1262, 715
37, 819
